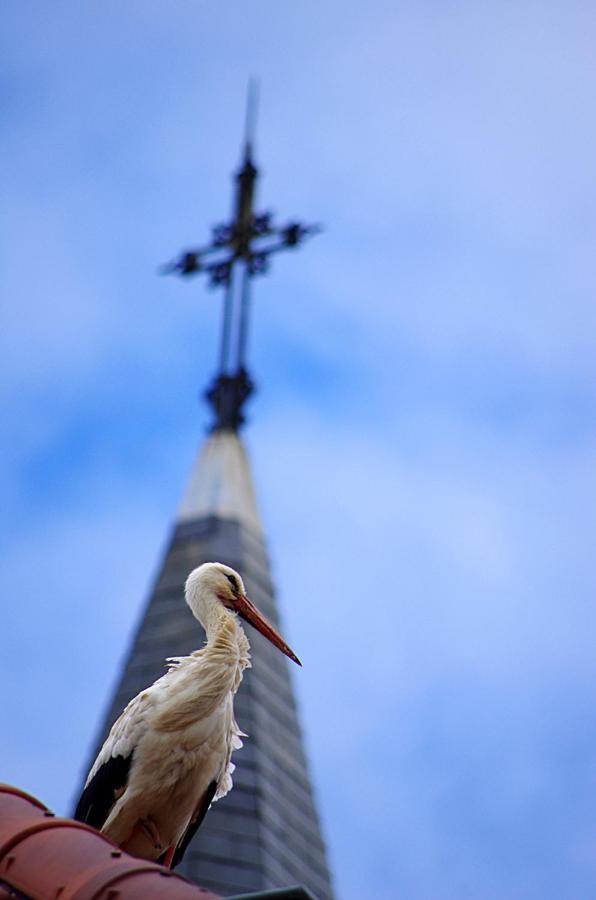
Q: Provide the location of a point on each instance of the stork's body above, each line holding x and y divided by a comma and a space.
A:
169, 753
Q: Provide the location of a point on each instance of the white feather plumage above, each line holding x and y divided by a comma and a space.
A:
181, 730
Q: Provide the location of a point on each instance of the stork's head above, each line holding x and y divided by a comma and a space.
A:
212, 586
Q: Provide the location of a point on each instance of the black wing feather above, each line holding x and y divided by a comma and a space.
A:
194, 825
99, 796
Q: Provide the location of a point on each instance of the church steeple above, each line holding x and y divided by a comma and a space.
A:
239, 251
265, 833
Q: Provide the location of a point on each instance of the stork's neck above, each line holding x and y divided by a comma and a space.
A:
225, 634
215, 617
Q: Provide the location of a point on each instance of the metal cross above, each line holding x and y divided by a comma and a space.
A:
245, 243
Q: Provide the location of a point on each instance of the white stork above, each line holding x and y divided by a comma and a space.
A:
168, 756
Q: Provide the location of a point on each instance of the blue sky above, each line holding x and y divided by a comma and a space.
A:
424, 438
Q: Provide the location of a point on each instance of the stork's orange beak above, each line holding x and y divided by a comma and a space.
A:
251, 614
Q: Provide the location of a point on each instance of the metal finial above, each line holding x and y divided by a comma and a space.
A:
247, 241
250, 122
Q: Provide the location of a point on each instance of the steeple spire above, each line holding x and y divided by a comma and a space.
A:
239, 250
266, 833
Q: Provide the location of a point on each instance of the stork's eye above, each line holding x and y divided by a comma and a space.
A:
233, 582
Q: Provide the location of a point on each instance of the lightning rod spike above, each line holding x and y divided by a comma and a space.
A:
252, 102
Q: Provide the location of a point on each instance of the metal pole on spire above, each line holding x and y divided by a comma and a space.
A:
250, 122
248, 240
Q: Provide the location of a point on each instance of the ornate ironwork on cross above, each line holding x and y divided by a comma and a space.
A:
245, 243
